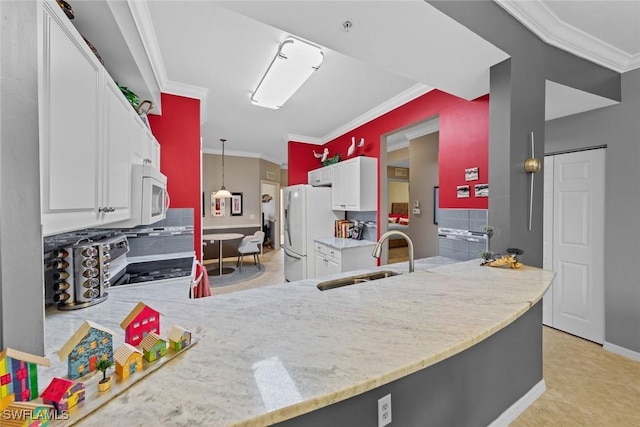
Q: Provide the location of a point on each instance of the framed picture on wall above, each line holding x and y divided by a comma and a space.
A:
236, 204
463, 191
217, 205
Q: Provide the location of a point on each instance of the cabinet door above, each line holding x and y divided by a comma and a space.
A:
70, 85
337, 189
320, 265
313, 177
351, 185
154, 151
117, 155
334, 266
140, 148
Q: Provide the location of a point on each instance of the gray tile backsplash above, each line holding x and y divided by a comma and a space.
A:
462, 219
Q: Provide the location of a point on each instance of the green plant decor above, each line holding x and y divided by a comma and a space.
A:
133, 99
332, 160
102, 365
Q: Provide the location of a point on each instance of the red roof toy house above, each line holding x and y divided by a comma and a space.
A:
63, 394
139, 322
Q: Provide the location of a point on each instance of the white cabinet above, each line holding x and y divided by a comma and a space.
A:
118, 132
330, 260
87, 131
321, 176
146, 149
354, 186
70, 83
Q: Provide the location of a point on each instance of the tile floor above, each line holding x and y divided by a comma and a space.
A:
586, 385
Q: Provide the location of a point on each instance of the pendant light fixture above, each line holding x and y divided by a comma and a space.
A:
223, 193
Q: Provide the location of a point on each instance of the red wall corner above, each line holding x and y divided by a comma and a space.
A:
178, 132
300, 156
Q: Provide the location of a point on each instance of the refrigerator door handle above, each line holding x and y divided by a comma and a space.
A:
287, 228
286, 252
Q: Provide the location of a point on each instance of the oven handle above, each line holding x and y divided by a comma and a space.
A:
286, 252
167, 199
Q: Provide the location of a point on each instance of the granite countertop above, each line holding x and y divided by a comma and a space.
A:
269, 354
340, 243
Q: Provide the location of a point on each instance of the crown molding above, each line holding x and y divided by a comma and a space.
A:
189, 91
237, 153
552, 30
142, 19
390, 104
305, 139
397, 146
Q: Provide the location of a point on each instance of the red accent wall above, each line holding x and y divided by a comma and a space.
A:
300, 154
463, 142
178, 132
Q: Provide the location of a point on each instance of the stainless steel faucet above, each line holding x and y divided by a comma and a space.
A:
377, 251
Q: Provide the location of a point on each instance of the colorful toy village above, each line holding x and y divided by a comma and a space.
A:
89, 351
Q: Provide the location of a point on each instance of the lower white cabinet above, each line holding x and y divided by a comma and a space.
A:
330, 260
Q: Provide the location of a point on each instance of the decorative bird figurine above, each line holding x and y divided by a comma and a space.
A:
361, 143
322, 156
352, 147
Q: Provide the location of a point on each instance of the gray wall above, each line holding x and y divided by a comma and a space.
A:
517, 108
618, 127
423, 164
21, 269
517, 105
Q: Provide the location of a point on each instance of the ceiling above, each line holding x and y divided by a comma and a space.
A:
218, 51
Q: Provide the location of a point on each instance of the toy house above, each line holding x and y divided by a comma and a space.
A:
26, 414
63, 394
179, 338
86, 346
128, 360
18, 376
153, 346
139, 322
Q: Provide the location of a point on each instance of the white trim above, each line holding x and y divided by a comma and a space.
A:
142, 18
514, 411
189, 91
235, 153
397, 146
423, 129
306, 139
390, 104
221, 227
622, 351
536, 16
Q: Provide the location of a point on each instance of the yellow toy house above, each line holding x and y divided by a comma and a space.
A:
128, 360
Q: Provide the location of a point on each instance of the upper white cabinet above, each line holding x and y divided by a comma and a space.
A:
354, 186
117, 155
89, 133
321, 176
146, 149
70, 156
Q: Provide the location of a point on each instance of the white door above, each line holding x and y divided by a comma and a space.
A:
578, 243
547, 238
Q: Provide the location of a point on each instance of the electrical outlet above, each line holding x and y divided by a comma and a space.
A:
384, 411
416, 211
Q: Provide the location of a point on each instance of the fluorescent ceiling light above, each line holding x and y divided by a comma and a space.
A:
291, 67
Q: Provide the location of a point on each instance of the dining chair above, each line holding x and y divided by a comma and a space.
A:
249, 246
260, 236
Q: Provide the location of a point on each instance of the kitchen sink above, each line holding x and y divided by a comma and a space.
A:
352, 280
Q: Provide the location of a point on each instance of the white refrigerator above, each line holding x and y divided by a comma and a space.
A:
307, 216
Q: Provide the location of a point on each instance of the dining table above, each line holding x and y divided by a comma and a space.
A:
221, 237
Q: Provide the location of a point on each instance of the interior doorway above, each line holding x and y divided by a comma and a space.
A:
573, 242
270, 213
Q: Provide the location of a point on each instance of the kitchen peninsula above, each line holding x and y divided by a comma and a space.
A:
437, 340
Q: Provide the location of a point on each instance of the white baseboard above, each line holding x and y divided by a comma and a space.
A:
633, 355
519, 407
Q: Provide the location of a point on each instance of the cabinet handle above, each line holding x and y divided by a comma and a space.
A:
147, 161
105, 209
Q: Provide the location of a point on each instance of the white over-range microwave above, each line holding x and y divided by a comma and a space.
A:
149, 197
